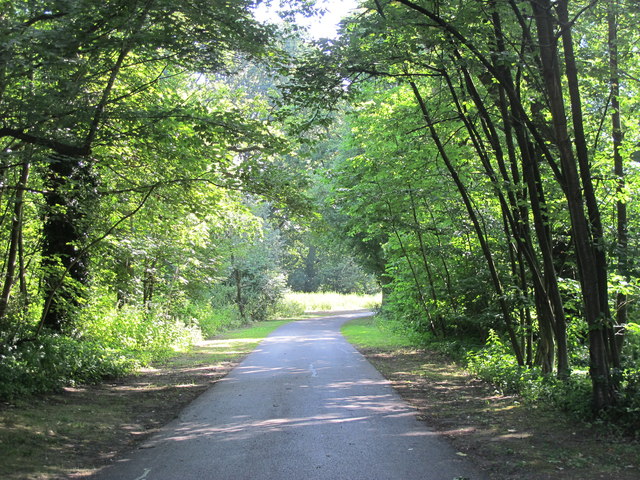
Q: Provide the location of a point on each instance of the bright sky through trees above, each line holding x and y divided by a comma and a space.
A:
322, 25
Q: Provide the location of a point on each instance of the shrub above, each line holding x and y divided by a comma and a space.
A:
213, 320
106, 342
53, 361
141, 333
626, 413
495, 364
288, 307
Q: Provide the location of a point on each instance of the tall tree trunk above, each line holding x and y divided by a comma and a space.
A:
425, 261
70, 196
547, 296
443, 258
14, 241
414, 273
310, 270
497, 284
582, 154
618, 169
237, 278
22, 272
588, 266
549, 303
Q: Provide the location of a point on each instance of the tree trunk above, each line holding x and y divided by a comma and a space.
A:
237, 278
549, 303
507, 318
414, 273
310, 271
69, 197
618, 170
588, 266
14, 241
582, 154
443, 259
425, 262
547, 296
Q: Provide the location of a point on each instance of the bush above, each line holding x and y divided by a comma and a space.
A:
213, 320
495, 364
137, 332
626, 413
288, 307
53, 361
106, 342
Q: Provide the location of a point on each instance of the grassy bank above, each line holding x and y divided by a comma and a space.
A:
503, 435
71, 433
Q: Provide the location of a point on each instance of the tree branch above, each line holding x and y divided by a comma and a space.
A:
56, 146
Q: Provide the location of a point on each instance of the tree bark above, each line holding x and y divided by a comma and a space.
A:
588, 266
237, 278
497, 284
414, 273
594, 218
622, 233
425, 261
14, 240
69, 197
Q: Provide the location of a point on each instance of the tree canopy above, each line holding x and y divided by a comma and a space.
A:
168, 166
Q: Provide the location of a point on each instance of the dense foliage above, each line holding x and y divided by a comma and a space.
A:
170, 168
134, 157
489, 169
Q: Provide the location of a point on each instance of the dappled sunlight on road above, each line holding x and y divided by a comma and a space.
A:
338, 403
381, 405
304, 404
270, 371
245, 428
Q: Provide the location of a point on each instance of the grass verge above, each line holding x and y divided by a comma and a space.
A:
72, 433
503, 436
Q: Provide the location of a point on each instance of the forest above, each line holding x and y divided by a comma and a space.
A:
170, 169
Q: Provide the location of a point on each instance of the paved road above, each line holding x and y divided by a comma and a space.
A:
305, 405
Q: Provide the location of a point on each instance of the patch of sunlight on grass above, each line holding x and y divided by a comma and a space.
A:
256, 331
226, 347
332, 301
367, 333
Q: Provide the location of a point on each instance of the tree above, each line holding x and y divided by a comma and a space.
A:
84, 81
504, 108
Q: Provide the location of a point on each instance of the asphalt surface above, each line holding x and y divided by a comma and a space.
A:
304, 405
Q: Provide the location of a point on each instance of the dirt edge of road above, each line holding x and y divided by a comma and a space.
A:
498, 433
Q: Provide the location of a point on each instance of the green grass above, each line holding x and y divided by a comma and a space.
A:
330, 301
257, 331
229, 346
370, 333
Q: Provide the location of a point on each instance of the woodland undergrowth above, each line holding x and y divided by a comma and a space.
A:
495, 363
